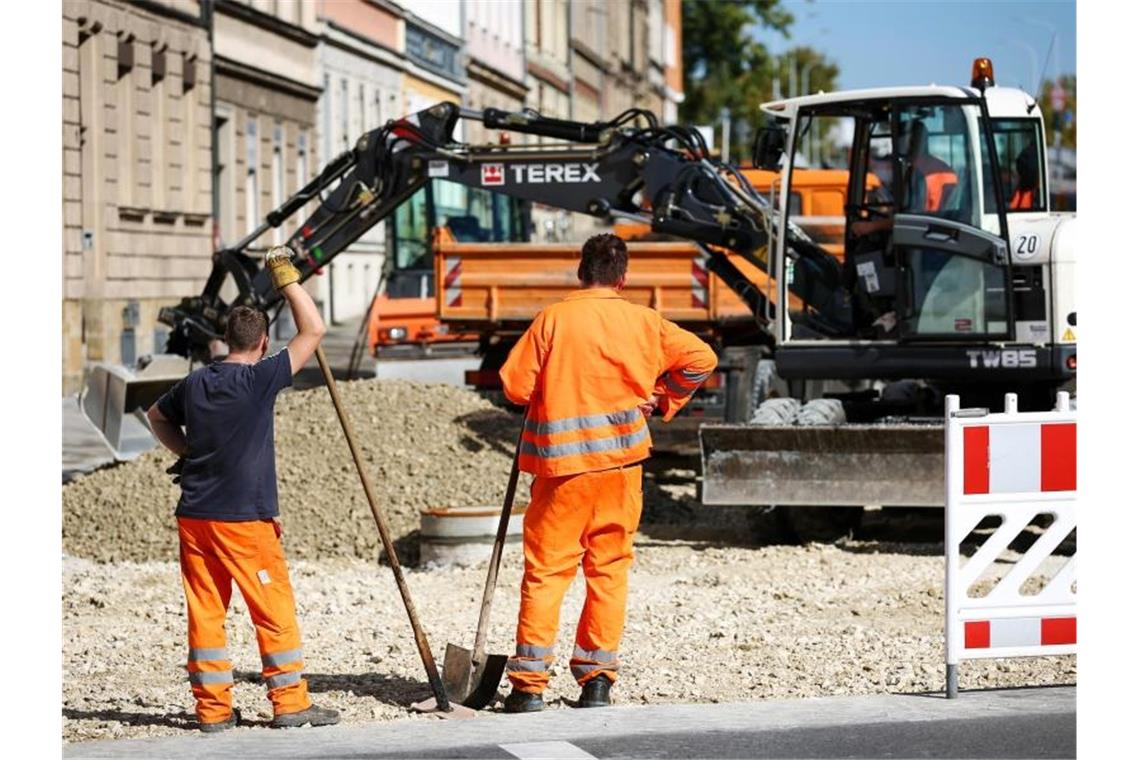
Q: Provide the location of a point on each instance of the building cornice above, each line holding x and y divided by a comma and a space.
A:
548, 76
346, 39
458, 87
160, 9
480, 72
597, 60
265, 21
254, 75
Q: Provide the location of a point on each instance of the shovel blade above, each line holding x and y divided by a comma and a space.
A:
458, 668
486, 681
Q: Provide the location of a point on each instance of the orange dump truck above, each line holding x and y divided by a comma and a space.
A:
487, 293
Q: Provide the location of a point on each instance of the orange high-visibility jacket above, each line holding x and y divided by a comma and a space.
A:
583, 366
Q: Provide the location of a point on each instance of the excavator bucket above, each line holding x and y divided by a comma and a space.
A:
842, 465
116, 398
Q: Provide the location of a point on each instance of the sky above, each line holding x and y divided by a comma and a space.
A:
880, 43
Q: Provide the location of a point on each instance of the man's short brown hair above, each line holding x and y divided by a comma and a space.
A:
604, 260
245, 327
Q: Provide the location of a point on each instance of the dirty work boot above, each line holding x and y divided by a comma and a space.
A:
313, 716
522, 701
595, 693
221, 725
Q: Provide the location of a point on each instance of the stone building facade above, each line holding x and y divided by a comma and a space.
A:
136, 166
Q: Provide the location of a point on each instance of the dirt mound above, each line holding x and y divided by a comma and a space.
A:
425, 445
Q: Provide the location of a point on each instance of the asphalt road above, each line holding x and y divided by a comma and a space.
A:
1016, 723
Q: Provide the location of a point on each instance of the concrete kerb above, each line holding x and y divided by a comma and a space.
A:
422, 736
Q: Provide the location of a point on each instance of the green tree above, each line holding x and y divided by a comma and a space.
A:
726, 66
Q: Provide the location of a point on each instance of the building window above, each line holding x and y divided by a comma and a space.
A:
362, 112
227, 179
190, 180
125, 120
159, 133
326, 115
344, 114
302, 159
278, 175
251, 216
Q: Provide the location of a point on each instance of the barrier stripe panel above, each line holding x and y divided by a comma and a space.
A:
1015, 632
1059, 457
978, 634
1015, 458
976, 459
1061, 630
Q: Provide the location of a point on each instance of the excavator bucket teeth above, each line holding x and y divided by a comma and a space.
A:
842, 465
116, 398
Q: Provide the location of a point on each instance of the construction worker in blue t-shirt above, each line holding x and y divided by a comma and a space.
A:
227, 527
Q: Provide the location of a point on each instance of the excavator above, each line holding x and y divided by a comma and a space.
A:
955, 276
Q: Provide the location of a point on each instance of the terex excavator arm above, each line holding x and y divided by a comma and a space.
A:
605, 168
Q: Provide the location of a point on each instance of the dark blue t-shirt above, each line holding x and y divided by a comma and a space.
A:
227, 410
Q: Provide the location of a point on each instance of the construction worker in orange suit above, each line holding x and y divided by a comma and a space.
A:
227, 527
590, 369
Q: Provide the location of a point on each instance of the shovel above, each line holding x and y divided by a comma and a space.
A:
473, 676
440, 705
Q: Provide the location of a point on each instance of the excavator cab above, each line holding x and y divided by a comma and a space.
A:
920, 260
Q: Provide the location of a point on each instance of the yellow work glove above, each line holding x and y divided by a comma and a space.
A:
279, 262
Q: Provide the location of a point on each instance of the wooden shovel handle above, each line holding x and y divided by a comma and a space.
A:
497, 556
385, 537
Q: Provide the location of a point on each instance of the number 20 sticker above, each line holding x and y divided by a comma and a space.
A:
1025, 246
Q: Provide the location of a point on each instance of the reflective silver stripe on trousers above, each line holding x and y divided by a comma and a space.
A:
202, 678
585, 447
283, 679
530, 666
277, 659
208, 653
581, 671
533, 650
594, 655
579, 423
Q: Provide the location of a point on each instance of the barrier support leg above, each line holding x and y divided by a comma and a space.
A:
951, 681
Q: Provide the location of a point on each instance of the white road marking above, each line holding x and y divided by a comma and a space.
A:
547, 751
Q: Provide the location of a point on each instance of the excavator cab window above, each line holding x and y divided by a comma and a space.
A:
913, 256
1020, 160
473, 215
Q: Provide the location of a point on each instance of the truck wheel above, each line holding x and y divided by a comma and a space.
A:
749, 381
822, 524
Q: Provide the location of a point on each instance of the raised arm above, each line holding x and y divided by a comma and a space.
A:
310, 326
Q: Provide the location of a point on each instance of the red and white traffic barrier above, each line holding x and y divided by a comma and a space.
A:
1015, 466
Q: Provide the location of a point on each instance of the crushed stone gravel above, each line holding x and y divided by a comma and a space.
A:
714, 616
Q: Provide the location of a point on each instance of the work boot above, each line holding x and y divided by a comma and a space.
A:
220, 725
313, 716
523, 701
595, 692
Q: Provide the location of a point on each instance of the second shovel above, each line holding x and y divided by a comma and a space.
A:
472, 676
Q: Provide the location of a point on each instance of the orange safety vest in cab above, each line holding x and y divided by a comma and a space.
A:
938, 178
583, 367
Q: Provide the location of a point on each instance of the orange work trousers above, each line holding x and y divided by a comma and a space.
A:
588, 519
215, 555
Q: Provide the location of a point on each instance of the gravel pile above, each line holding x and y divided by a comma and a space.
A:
426, 446
708, 622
